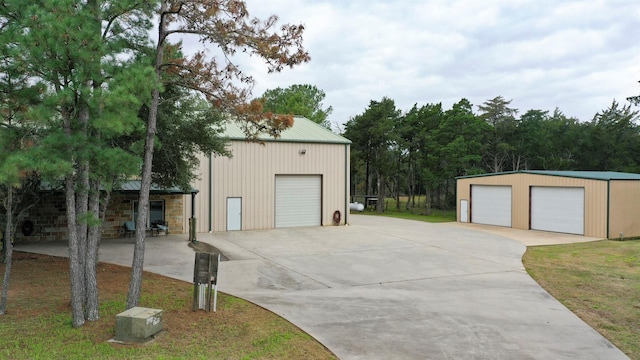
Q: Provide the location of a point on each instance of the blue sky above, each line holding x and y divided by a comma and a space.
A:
575, 55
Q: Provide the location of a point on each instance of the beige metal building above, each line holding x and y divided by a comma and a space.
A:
298, 179
589, 203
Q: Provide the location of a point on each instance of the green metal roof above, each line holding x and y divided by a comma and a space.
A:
593, 175
134, 186
303, 130
127, 186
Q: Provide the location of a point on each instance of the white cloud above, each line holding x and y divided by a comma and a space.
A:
576, 55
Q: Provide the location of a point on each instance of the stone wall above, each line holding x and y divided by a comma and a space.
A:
49, 216
49, 219
174, 213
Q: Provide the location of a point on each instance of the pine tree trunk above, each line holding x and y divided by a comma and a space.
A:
91, 280
82, 205
409, 185
8, 251
367, 180
397, 193
76, 275
428, 201
75, 271
135, 283
380, 202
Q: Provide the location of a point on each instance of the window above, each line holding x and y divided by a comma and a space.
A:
156, 211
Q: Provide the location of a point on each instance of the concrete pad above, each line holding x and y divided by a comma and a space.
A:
528, 237
388, 288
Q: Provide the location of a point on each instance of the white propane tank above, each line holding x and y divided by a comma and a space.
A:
356, 206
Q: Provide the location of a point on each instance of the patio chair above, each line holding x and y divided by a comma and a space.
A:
129, 228
161, 225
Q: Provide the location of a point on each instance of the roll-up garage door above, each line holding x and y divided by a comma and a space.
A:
558, 209
298, 200
491, 205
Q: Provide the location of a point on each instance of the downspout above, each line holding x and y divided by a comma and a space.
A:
346, 184
608, 206
210, 194
192, 221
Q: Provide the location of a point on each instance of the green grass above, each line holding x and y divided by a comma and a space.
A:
50, 336
416, 213
599, 281
38, 320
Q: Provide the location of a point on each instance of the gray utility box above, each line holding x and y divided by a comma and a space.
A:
138, 324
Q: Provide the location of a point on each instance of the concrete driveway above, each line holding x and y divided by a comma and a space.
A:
388, 289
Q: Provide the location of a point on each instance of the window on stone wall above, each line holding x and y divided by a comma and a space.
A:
156, 211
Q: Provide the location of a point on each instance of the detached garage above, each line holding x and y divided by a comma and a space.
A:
298, 179
589, 203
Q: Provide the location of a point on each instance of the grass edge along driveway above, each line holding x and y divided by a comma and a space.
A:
599, 281
38, 320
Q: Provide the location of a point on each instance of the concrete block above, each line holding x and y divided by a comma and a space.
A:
138, 324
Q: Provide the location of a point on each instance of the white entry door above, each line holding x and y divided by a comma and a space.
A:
234, 214
464, 211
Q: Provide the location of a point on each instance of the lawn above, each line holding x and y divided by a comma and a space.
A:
38, 320
416, 213
599, 281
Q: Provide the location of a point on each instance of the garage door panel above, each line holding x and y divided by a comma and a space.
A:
557, 209
298, 200
491, 205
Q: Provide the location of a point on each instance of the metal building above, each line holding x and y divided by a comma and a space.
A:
298, 179
589, 203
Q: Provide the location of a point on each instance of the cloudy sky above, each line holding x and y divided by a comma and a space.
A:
575, 55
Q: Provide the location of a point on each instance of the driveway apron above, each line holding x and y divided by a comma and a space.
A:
386, 288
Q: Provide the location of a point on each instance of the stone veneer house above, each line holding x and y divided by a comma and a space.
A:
48, 219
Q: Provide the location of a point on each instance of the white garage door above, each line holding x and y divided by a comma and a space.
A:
298, 200
491, 205
558, 209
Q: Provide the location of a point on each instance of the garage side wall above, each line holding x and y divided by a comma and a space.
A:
595, 211
624, 209
250, 175
202, 197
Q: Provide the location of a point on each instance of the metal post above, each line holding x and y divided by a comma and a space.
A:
205, 281
214, 280
192, 221
215, 297
192, 235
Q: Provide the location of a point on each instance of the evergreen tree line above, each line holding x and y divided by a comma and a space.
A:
423, 150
